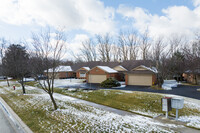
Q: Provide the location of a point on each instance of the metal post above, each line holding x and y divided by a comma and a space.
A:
166, 114
176, 114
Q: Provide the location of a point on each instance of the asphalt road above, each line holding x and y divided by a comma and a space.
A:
5, 125
181, 90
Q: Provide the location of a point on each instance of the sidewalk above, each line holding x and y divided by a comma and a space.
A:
10, 121
123, 113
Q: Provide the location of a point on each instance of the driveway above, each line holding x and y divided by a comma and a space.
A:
5, 124
182, 90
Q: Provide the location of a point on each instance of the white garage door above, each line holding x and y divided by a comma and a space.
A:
140, 79
96, 78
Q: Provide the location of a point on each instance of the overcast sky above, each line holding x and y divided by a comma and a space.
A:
85, 18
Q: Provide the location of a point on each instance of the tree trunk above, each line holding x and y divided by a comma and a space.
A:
7, 81
23, 88
53, 100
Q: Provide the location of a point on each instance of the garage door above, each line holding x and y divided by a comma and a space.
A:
96, 78
140, 79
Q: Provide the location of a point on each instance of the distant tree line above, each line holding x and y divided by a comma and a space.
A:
172, 56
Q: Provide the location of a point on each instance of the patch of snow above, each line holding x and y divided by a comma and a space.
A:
168, 84
98, 120
193, 121
107, 69
68, 82
121, 86
145, 113
72, 89
61, 69
122, 67
87, 68
126, 91
153, 69
28, 79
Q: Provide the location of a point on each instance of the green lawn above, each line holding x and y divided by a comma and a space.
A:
144, 103
35, 109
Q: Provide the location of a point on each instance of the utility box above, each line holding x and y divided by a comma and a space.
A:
166, 104
177, 103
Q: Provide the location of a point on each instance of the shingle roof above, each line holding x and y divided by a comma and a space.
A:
129, 65
107, 69
61, 69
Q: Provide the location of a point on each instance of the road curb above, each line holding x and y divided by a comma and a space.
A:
22, 127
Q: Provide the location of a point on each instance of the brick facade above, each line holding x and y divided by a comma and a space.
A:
98, 71
79, 71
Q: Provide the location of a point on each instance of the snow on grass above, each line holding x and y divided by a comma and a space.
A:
4, 83
28, 79
126, 91
97, 120
74, 116
193, 121
67, 82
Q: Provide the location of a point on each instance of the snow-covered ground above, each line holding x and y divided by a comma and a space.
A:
191, 103
168, 84
85, 118
98, 120
66, 82
28, 79
122, 85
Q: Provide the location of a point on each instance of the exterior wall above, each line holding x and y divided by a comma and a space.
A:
78, 73
94, 71
97, 71
118, 68
190, 78
62, 75
140, 68
154, 79
126, 79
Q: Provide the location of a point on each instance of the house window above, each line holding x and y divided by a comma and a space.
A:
82, 75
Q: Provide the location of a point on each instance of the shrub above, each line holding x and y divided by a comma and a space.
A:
110, 82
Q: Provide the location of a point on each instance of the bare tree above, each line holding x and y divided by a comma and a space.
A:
158, 48
132, 42
50, 50
145, 45
88, 50
192, 56
116, 52
175, 42
122, 41
2, 51
104, 47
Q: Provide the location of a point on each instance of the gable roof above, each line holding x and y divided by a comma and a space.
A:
61, 69
107, 69
120, 67
87, 68
153, 69
128, 65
